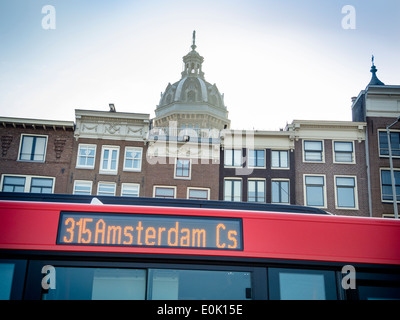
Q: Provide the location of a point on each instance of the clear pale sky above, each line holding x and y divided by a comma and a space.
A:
275, 61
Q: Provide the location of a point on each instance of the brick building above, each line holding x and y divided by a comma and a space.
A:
35, 155
379, 106
188, 151
257, 166
107, 157
330, 166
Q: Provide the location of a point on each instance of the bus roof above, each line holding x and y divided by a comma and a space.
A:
142, 201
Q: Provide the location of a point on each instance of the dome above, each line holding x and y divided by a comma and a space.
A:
192, 90
192, 96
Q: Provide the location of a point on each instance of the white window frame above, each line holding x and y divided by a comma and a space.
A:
108, 170
355, 191
28, 181
241, 188
353, 154
88, 183
32, 135
324, 206
263, 166
231, 163
380, 180
281, 180
78, 166
103, 183
265, 189
164, 187
288, 160
322, 151
189, 177
379, 143
125, 185
199, 189
136, 149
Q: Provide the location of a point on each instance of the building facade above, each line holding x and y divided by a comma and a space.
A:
330, 166
257, 166
35, 155
379, 106
107, 157
188, 151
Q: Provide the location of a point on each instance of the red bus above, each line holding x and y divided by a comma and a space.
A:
54, 250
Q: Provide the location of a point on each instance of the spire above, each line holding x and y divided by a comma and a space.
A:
194, 40
374, 80
193, 61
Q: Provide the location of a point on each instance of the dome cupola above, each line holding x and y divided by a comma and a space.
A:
192, 101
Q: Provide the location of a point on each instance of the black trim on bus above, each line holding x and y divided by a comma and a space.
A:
26, 283
188, 259
142, 201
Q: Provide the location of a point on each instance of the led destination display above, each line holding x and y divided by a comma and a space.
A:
106, 229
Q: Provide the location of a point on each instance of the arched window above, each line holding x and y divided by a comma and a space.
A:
191, 96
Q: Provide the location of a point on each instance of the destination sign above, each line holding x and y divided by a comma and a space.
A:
167, 231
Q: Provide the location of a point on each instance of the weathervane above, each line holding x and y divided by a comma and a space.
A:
372, 59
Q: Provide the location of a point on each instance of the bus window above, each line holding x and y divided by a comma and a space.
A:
378, 293
300, 284
97, 284
6, 278
168, 284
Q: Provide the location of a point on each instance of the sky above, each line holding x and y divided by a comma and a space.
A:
275, 61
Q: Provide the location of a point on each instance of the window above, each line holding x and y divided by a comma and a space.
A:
198, 193
182, 169
14, 184
33, 184
130, 189
86, 156
6, 279
82, 187
109, 160
170, 284
313, 151
315, 191
279, 159
106, 189
301, 284
133, 159
343, 151
394, 142
280, 191
256, 158
88, 283
164, 192
233, 158
33, 148
98, 284
232, 190
386, 185
346, 195
41, 185
256, 191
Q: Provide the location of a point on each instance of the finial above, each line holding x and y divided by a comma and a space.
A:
194, 40
374, 80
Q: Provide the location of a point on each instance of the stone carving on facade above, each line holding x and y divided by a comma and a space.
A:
59, 144
5, 144
112, 128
